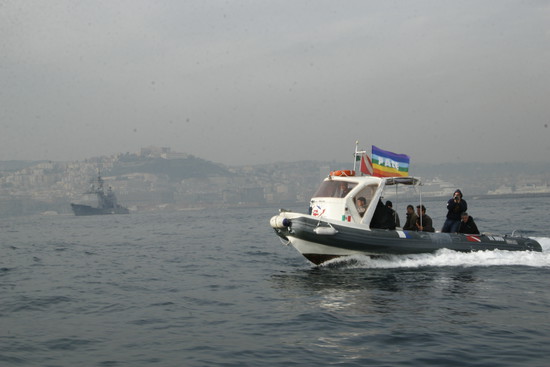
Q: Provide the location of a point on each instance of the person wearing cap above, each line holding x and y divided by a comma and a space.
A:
455, 206
424, 222
467, 224
394, 214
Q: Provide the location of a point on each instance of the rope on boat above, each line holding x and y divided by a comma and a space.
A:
285, 243
324, 230
513, 234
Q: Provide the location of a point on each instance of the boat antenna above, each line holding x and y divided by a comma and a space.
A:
355, 154
396, 201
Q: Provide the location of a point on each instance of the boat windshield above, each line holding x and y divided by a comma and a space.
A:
334, 189
366, 194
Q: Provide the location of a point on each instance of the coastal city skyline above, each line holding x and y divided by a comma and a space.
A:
158, 178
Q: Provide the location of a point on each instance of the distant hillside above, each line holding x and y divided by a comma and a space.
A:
12, 166
175, 169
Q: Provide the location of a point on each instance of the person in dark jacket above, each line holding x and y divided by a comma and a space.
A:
394, 214
424, 222
467, 225
382, 217
455, 206
410, 223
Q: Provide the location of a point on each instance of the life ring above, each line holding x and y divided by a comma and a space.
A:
345, 172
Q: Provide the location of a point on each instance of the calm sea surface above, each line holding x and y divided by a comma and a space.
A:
217, 288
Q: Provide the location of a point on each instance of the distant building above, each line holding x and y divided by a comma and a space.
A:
161, 152
174, 155
154, 152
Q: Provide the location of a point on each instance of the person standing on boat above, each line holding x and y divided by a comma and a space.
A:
410, 223
424, 222
467, 225
394, 214
455, 206
382, 217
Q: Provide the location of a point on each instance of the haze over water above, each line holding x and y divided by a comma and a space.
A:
442, 81
216, 287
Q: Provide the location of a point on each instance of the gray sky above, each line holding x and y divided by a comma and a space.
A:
241, 82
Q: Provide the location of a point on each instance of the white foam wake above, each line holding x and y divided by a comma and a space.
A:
544, 242
446, 257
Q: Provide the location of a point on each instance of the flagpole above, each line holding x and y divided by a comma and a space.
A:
396, 202
355, 155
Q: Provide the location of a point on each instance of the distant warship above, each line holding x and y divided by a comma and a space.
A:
107, 202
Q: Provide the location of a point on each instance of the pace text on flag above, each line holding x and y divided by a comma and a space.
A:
389, 164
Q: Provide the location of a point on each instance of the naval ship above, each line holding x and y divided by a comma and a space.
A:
107, 201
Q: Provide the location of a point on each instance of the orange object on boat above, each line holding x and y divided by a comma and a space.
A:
345, 172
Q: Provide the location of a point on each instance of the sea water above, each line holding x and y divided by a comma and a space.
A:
216, 287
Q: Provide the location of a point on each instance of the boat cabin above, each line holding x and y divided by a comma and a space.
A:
351, 198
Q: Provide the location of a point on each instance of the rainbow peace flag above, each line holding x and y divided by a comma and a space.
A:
388, 164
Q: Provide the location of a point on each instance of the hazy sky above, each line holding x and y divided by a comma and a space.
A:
241, 82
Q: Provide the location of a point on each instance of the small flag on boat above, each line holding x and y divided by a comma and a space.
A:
388, 164
472, 238
366, 165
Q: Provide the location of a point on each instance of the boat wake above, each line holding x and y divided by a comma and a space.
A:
445, 257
